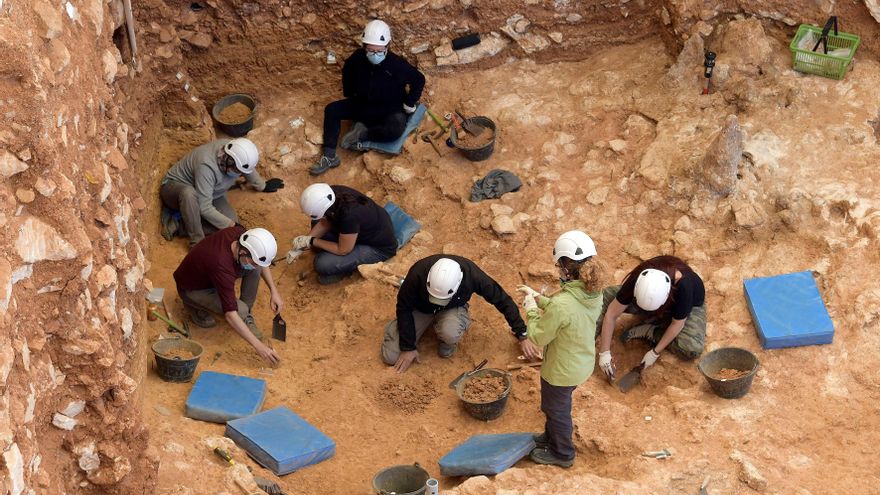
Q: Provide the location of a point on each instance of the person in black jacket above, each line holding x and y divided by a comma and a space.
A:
380, 88
437, 290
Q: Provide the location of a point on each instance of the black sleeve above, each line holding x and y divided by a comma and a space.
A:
406, 304
684, 299
626, 294
348, 76
416, 81
489, 289
350, 222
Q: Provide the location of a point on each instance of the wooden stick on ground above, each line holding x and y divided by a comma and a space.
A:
523, 365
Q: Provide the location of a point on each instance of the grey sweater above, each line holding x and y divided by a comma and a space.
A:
199, 169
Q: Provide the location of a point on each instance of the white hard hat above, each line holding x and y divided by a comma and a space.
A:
444, 277
575, 245
316, 199
376, 33
261, 244
652, 289
245, 154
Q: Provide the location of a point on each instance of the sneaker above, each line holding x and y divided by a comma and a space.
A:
353, 137
541, 440
446, 350
644, 331
325, 164
544, 456
252, 326
202, 318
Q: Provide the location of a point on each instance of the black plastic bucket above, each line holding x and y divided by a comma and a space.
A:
731, 358
176, 369
234, 129
406, 479
482, 152
485, 410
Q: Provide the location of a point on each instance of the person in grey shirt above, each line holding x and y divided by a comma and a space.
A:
197, 185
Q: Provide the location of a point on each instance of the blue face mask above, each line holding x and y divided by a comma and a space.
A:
376, 58
233, 173
248, 267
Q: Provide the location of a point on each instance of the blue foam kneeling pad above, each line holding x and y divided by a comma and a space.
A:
486, 454
280, 440
405, 226
788, 310
218, 397
396, 146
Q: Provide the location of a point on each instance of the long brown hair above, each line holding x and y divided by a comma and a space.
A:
666, 264
591, 272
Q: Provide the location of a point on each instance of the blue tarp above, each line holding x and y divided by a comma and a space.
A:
395, 147
218, 397
486, 454
405, 226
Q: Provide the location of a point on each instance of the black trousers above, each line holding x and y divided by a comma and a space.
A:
556, 405
380, 128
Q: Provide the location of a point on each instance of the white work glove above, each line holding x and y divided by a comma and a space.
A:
293, 255
525, 289
529, 302
302, 242
409, 109
606, 365
649, 359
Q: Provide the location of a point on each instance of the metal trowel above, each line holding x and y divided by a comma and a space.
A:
630, 379
462, 376
279, 328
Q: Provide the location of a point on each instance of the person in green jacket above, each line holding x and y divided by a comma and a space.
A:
565, 326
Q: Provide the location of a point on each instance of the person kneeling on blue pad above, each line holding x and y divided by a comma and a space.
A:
670, 299
565, 326
206, 281
348, 229
436, 290
381, 90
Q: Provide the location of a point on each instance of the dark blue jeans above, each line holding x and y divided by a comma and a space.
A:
556, 405
332, 264
380, 129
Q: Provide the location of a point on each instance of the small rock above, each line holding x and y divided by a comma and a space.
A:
15, 469
88, 459
314, 134
400, 175
598, 195
309, 19
617, 145
73, 408
165, 35
63, 422
201, 40
111, 67
10, 164
748, 473
283, 150
372, 161
38, 241
49, 17
165, 51
46, 187
498, 209
59, 56
683, 223
521, 26
116, 159
503, 224
25, 195
721, 161
138, 203
420, 48
556, 36
572, 18
443, 51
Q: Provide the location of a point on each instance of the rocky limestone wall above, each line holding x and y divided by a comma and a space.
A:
73, 252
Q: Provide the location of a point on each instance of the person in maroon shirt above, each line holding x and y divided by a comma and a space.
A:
206, 281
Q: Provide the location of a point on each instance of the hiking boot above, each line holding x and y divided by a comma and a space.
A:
541, 440
252, 326
351, 139
446, 350
202, 318
644, 331
325, 164
544, 456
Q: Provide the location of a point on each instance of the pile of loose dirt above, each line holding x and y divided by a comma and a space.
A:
178, 354
409, 397
467, 140
730, 374
483, 389
235, 113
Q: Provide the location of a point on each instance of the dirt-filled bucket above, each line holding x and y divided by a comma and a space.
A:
234, 114
729, 371
176, 359
475, 148
483, 395
406, 479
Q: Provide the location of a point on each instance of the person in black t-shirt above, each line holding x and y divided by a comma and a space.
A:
348, 229
671, 300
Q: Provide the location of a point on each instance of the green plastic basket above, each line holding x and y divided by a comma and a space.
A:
818, 62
